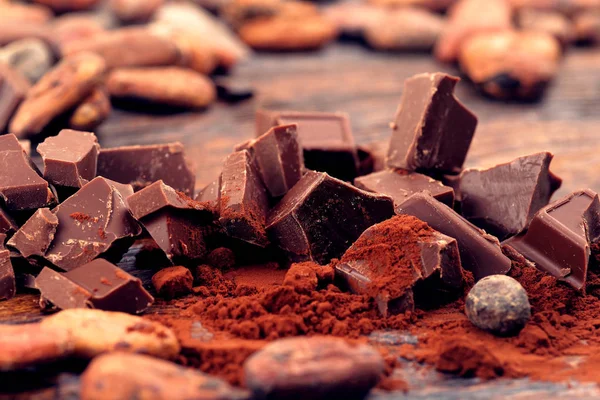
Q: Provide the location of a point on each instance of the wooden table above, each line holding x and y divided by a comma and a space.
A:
368, 86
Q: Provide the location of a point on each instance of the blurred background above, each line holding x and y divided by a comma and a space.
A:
197, 71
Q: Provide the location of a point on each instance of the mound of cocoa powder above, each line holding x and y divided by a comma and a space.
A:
218, 332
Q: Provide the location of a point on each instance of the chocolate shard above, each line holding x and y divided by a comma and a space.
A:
36, 235
558, 238
400, 185
400, 262
503, 199
322, 216
244, 202
21, 186
480, 252
141, 166
89, 222
8, 286
97, 284
278, 157
7, 222
326, 139
13, 88
210, 193
177, 223
70, 158
432, 130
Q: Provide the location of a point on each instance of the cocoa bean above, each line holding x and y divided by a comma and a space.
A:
94, 332
313, 368
92, 111
121, 376
551, 22
511, 64
31, 57
286, 34
352, 19
72, 28
127, 47
68, 5
13, 88
12, 31
587, 27
405, 29
432, 5
28, 13
23, 346
468, 17
202, 26
135, 10
63, 87
170, 86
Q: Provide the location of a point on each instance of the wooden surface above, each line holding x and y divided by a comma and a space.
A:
368, 86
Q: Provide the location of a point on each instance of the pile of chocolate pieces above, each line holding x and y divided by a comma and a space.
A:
285, 194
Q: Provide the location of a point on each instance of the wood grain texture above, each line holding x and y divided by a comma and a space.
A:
368, 86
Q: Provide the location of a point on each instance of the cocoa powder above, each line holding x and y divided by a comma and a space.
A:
219, 332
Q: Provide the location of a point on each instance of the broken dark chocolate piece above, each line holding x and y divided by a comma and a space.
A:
480, 252
21, 186
97, 284
390, 258
70, 158
210, 193
322, 216
141, 166
7, 222
89, 222
244, 202
8, 286
278, 158
326, 139
432, 130
559, 236
36, 235
13, 87
177, 223
503, 199
400, 185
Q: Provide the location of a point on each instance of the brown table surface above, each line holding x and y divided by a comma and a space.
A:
368, 86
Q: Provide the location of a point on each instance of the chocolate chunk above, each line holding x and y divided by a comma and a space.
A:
70, 158
400, 185
390, 259
432, 130
21, 186
558, 238
322, 216
503, 199
13, 87
173, 282
89, 222
372, 156
177, 223
7, 222
326, 139
480, 252
278, 157
244, 202
210, 193
142, 165
97, 284
8, 286
36, 235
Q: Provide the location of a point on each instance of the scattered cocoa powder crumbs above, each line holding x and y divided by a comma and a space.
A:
218, 332
101, 233
105, 281
80, 217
